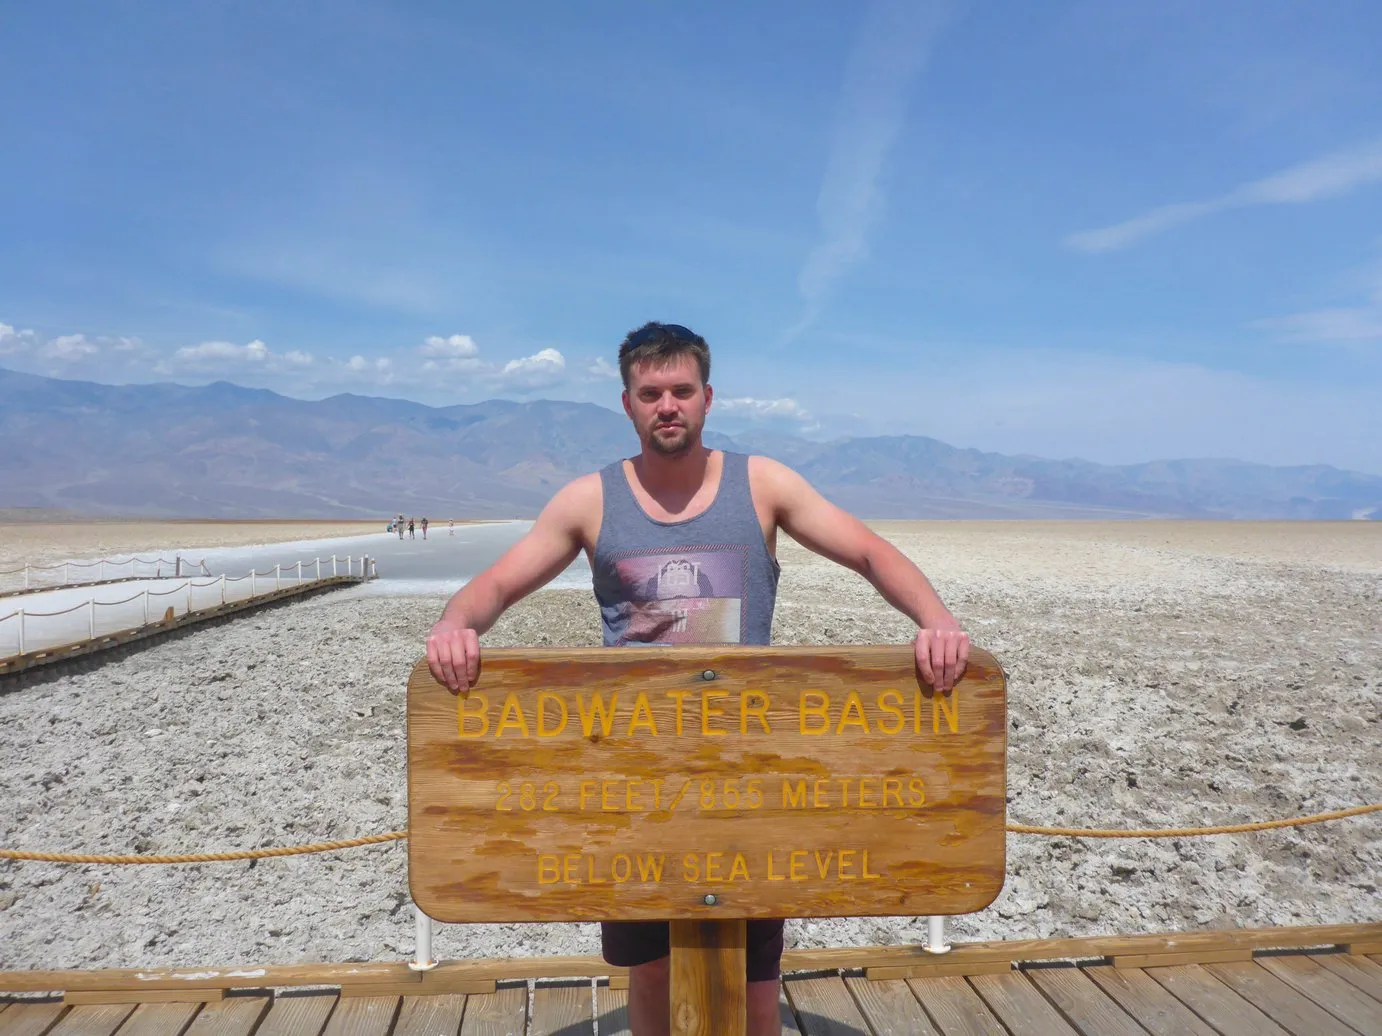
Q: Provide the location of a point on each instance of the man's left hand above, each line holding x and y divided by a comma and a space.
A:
942, 653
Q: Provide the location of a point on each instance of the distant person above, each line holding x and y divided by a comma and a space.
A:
400, 526
424, 528
682, 541
452, 530
412, 530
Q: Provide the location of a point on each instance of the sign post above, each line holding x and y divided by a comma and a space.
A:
705, 786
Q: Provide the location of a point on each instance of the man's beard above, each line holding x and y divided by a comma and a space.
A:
673, 446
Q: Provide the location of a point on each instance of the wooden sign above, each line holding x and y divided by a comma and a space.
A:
705, 783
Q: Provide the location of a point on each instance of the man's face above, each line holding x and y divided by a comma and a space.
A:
668, 404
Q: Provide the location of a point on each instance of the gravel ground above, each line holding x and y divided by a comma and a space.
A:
1159, 674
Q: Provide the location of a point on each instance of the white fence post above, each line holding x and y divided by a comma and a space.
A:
146, 607
350, 564
223, 588
333, 565
21, 631
91, 618
935, 934
278, 577
177, 566
299, 571
319, 568
189, 597
251, 582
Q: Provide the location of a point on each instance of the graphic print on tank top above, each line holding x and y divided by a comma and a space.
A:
683, 595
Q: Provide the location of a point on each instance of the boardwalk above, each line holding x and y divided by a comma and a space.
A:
1304, 994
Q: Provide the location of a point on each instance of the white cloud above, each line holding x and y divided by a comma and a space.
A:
602, 368
1324, 177
748, 406
227, 357
451, 347
541, 370
379, 363
891, 47
14, 341
69, 348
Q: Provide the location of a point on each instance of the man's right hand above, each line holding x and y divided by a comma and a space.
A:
453, 655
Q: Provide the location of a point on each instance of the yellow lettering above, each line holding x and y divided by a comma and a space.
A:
712, 866
816, 790
823, 866
950, 705
569, 862
916, 712
856, 706
772, 874
739, 869
614, 868
796, 865
793, 798
548, 870
845, 782
706, 712
587, 791
650, 868
761, 711
892, 786
847, 866
542, 729
642, 708
597, 708
916, 792
821, 712
679, 697
894, 711
465, 714
869, 875
605, 787
590, 872
866, 800
690, 867
511, 708
657, 792
628, 792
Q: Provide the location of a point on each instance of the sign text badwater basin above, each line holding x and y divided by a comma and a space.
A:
716, 782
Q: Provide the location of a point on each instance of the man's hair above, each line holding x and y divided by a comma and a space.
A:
660, 344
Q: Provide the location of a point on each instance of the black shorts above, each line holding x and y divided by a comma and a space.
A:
627, 944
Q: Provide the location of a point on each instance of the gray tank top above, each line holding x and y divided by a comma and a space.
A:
705, 580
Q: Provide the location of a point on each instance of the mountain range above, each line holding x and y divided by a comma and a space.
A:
224, 451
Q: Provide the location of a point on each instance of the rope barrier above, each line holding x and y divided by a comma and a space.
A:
398, 836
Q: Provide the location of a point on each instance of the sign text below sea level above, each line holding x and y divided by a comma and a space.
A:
707, 713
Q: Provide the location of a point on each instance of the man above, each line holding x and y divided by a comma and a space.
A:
682, 541
424, 527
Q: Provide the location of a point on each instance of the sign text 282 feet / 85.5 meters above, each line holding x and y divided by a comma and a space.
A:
715, 782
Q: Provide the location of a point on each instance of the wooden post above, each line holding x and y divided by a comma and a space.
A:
709, 990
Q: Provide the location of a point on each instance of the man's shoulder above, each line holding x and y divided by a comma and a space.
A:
580, 497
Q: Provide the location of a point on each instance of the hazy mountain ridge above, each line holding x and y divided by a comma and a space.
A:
225, 451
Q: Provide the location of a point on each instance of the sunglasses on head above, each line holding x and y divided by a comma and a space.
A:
647, 334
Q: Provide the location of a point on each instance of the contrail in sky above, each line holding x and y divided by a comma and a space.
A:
889, 51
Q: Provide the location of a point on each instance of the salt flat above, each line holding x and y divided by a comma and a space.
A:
1160, 674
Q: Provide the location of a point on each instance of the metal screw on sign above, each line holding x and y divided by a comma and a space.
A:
709, 674
710, 899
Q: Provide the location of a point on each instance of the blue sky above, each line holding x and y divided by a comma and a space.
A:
1117, 231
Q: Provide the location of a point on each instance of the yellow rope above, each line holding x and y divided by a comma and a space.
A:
398, 836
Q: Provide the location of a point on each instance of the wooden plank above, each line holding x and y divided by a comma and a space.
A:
955, 1008
1083, 1004
959, 969
1164, 960
97, 1020
1360, 971
1153, 1007
501, 1013
429, 1015
612, 1011
363, 1016
1215, 1002
708, 990
786, 1015
891, 1008
142, 996
1364, 947
265, 977
298, 1015
450, 984
233, 1016
585, 785
1336, 996
824, 1007
30, 1019
166, 1019
564, 1008
1019, 1005
1293, 1012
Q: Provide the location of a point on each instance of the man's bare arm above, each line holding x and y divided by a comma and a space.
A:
453, 648
820, 526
